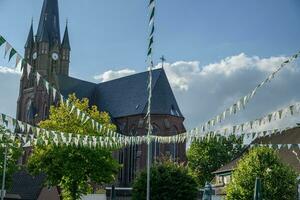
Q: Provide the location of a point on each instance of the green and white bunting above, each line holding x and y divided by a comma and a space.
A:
243, 101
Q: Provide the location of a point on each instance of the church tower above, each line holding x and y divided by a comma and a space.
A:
49, 56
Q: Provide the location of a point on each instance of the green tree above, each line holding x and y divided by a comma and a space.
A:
278, 180
74, 169
169, 181
209, 154
13, 154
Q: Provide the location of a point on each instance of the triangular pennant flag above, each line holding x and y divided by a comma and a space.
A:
7, 48
280, 113
18, 59
54, 93
12, 53
38, 77
2, 40
289, 146
28, 70
270, 117
292, 109
28, 144
46, 85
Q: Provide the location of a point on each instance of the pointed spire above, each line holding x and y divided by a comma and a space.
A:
44, 37
30, 39
49, 21
66, 43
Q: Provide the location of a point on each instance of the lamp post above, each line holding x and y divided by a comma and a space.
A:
3, 173
207, 192
257, 189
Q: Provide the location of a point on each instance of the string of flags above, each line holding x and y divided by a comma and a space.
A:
240, 129
31, 135
243, 101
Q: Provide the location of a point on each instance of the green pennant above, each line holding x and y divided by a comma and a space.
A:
152, 14
2, 40
4, 119
12, 53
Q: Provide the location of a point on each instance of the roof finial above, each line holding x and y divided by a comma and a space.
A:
67, 22
31, 21
162, 58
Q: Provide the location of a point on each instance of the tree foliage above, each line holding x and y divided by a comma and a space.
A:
278, 180
74, 169
169, 181
13, 154
209, 154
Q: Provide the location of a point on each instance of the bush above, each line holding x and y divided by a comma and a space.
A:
169, 181
279, 181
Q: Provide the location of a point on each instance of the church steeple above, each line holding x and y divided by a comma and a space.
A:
49, 21
66, 43
30, 39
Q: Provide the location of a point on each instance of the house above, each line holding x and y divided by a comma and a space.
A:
289, 156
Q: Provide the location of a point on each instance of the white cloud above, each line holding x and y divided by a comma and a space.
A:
9, 70
9, 90
110, 75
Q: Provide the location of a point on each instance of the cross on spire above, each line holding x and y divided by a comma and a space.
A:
162, 58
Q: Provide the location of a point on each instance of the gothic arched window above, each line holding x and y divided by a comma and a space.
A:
171, 149
155, 145
132, 157
29, 111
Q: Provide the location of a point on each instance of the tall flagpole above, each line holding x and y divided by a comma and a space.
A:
148, 115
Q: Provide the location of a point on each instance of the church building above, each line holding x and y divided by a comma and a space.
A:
125, 99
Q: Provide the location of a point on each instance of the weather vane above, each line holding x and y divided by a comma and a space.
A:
162, 58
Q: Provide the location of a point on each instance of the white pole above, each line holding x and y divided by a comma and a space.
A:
149, 132
3, 175
148, 169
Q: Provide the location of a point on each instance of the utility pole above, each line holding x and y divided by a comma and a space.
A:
4, 172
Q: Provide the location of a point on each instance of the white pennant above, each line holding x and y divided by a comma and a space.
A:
38, 77
18, 59
54, 93
28, 70
7, 48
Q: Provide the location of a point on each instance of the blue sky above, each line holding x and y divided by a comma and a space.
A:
112, 35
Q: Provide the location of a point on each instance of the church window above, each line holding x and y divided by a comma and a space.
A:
171, 149
155, 146
132, 158
29, 111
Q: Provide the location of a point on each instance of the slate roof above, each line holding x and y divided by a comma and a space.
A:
291, 136
26, 186
125, 96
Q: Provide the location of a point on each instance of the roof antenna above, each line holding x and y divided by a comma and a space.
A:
162, 58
